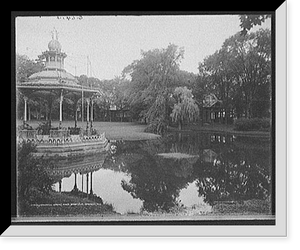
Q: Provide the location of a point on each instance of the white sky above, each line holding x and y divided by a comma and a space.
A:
113, 42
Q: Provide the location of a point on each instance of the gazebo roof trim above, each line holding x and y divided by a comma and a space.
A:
46, 74
55, 85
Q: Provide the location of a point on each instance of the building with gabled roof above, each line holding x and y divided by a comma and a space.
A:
213, 110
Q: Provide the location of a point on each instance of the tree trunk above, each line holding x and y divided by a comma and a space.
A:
75, 118
179, 139
180, 124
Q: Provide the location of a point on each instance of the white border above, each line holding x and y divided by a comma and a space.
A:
281, 120
280, 229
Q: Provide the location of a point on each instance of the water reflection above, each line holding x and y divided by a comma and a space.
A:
180, 171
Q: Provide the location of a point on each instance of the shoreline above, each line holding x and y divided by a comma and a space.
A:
64, 205
221, 129
133, 131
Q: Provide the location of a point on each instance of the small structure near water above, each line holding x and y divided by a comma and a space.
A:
213, 110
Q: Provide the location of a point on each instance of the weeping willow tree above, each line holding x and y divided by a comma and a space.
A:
152, 81
186, 109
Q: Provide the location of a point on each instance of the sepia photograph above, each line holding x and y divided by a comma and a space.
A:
149, 119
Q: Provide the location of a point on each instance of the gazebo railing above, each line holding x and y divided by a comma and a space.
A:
59, 133
59, 136
28, 134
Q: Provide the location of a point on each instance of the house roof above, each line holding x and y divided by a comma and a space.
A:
210, 100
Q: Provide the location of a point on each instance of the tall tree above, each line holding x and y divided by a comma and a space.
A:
153, 78
25, 67
251, 59
239, 71
218, 77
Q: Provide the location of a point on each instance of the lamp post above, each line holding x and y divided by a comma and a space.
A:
25, 110
92, 113
60, 108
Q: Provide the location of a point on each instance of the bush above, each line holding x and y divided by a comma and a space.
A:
244, 124
157, 126
44, 128
25, 126
74, 131
31, 174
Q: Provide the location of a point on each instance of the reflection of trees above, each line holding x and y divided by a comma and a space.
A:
234, 175
156, 180
224, 170
151, 184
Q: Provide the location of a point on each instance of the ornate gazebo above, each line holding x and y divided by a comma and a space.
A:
53, 83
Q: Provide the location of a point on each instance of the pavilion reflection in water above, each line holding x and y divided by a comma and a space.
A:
83, 167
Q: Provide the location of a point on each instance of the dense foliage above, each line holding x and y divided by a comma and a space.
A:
32, 174
249, 21
239, 74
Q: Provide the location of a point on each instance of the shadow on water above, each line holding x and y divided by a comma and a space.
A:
175, 173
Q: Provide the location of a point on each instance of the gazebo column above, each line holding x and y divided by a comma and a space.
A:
91, 189
76, 109
75, 98
50, 100
29, 113
60, 108
75, 185
75, 116
87, 113
87, 184
25, 109
59, 185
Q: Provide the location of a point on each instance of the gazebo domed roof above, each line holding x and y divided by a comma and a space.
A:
54, 45
54, 78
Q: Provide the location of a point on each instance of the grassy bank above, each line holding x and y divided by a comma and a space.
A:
248, 207
113, 130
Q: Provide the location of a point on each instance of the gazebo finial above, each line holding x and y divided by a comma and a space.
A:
54, 31
52, 34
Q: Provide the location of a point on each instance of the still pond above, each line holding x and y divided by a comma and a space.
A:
191, 171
